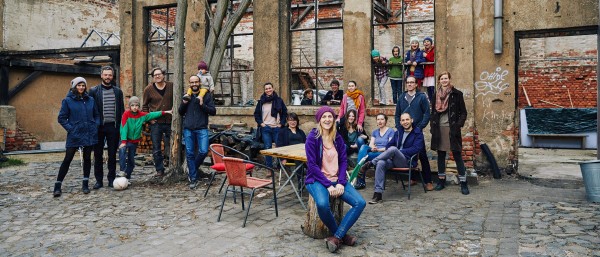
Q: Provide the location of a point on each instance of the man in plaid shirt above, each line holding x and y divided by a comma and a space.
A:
381, 73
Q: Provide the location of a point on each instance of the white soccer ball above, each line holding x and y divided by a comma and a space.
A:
120, 183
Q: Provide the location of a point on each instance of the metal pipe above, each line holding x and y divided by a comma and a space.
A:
498, 26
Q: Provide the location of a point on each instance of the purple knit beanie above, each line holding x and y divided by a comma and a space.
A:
322, 111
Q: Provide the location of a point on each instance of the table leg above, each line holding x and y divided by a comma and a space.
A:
289, 179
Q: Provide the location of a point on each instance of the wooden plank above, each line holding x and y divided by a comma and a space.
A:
557, 135
53, 67
30, 78
65, 52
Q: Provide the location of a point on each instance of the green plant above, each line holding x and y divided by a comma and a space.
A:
11, 162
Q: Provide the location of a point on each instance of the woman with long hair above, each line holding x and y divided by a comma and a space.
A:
270, 115
353, 99
80, 119
326, 177
447, 118
348, 128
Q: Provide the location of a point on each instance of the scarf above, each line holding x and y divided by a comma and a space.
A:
276, 105
441, 98
355, 97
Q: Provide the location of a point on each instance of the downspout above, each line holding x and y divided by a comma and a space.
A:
498, 26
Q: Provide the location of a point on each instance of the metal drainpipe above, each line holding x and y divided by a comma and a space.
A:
498, 26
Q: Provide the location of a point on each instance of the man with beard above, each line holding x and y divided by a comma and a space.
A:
158, 96
108, 98
195, 110
407, 141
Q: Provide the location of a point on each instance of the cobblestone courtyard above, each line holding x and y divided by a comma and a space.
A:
508, 217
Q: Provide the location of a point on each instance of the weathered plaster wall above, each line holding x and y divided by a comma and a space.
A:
51, 24
42, 120
357, 25
493, 75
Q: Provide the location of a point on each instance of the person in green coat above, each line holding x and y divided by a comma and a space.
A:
131, 134
395, 64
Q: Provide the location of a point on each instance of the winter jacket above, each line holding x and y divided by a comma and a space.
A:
418, 109
132, 125
283, 137
153, 101
96, 93
206, 81
314, 159
80, 118
195, 116
430, 68
419, 73
361, 109
278, 102
413, 144
395, 64
457, 115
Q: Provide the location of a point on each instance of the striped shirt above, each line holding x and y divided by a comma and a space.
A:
108, 104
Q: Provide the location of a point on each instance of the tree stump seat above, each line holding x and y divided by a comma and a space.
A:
313, 226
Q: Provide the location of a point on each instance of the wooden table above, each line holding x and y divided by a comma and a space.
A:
290, 152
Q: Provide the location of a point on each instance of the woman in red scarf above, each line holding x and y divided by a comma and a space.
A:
353, 99
447, 118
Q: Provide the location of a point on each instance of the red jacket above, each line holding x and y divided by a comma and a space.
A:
430, 68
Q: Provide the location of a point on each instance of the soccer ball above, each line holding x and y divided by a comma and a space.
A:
120, 183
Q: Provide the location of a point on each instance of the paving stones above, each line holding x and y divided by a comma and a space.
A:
507, 217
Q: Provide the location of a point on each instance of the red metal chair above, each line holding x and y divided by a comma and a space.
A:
408, 171
236, 174
218, 167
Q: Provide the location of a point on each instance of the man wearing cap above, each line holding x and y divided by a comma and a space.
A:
381, 73
108, 98
429, 55
158, 96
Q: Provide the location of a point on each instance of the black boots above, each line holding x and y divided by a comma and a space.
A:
57, 191
464, 189
441, 184
377, 197
362, 173
98, 185
84, 186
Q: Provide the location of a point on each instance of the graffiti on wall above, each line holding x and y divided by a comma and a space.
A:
491, 82
494, 118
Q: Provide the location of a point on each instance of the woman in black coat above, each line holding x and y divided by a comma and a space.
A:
291, 134
448, 116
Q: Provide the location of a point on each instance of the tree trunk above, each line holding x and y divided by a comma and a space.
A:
175, 163
313, 226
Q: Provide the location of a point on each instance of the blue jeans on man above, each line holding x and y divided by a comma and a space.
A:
269, 135
126, 158
160, 132
192, 139
350, 196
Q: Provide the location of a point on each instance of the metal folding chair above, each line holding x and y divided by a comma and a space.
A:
218, 167
407, 172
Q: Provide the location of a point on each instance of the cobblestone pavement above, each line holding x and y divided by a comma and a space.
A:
508, 217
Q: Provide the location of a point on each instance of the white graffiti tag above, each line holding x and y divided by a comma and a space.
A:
491, 83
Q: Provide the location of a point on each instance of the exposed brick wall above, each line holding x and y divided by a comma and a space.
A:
20, 140
552, 68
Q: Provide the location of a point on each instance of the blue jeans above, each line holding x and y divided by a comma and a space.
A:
269, 135
396, 89
359, 143
193, 138
365, 150
126, 158
157, 130
350, 196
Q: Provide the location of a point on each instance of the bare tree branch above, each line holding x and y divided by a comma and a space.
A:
215, 30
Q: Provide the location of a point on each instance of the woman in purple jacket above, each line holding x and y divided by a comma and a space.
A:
326, 177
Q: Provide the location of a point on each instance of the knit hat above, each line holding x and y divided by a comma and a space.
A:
76, 81
414, 39
202, 66
322, 111
428, 39
374, 53
134, 100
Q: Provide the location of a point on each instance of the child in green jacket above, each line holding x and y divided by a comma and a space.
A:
131, 134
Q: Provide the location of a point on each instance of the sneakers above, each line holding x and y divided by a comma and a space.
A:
332, 243
193, 184
159, 174
377, 198
349, 240
121, 174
